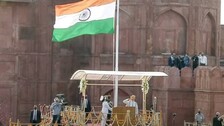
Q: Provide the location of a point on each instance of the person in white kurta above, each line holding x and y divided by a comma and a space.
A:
202, 59
105, 108
131, 103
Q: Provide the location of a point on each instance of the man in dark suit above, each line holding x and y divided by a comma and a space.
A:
195, 61
87, 105
35, 115
217, 120
109, 111
172, 60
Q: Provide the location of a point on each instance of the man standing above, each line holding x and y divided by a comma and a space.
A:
186, 60
109, 111
130, 102
217, 121
87, 105
105, 109
35, 115
172, 60
199, 118
56, 111
195, 61
202, 59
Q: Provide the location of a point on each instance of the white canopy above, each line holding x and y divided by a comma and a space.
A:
109, 75
119, 75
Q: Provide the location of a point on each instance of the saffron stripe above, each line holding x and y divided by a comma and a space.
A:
79, 6
97, 13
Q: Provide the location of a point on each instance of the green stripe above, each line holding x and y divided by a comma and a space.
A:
84, 28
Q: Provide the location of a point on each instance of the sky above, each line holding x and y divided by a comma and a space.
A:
222, 12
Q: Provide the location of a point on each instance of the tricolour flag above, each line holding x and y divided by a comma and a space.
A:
84, 17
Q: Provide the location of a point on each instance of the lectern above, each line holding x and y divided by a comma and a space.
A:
121, 113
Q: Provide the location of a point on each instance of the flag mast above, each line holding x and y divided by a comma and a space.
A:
116, 54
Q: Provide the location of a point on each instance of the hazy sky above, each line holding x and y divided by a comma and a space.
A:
222, 12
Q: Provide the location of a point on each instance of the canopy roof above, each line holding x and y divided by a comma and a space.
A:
110, 75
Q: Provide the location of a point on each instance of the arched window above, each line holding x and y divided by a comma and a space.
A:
207, 43
169, 34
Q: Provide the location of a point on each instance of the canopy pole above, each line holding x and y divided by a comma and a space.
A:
117, 54
145, 90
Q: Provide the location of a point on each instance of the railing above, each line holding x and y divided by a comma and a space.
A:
73, 116
195, 124
18, 123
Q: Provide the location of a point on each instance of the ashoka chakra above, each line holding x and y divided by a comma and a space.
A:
85, 14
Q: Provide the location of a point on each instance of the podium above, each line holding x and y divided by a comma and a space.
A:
121, 112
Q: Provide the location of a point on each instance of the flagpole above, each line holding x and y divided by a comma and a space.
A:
117, 54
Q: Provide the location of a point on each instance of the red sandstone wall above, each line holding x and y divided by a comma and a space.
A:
33, 70
175, 95
222, 45
209, 91
186, 92
16, 67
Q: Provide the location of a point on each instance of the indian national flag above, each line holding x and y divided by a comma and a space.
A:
84, 17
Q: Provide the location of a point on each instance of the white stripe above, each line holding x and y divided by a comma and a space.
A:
97, 13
